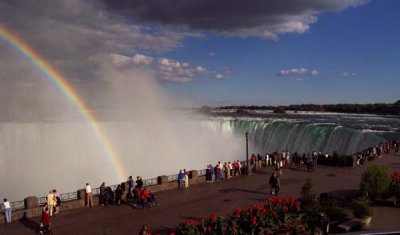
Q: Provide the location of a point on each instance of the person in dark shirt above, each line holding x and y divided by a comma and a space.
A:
139, 182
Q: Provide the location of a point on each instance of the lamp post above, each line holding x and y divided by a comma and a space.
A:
247, 152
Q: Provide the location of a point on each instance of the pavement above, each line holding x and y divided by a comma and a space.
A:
201, 200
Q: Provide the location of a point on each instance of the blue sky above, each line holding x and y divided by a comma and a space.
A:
361, 42
266, 52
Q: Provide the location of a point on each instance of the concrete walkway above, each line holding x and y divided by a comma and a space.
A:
203, 199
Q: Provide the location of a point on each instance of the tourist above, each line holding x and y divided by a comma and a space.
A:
259, 160
227, 171
139, 182
118, 194
273, 183
143, 230
152, 199
51, 202
267, 159
109, 196
208, 174
212, 173
186, 178
235, 168
45, 221
131, 184
102, 194
7, 210
181, 179
144, 195
221, 172
136, 196
88, 195
230, 167
58, 202
216, 172
240, 167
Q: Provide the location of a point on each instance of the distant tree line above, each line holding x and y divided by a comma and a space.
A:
377, 108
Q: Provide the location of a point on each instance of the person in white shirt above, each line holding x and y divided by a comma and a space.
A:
7, 210
89, 198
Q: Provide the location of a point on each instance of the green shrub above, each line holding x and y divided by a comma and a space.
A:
308, 197
375, 181
361, 209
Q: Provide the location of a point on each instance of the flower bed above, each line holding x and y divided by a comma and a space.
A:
276, 215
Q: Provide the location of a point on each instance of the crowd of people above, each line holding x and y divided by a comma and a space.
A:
138, 195
223, 171
183, 179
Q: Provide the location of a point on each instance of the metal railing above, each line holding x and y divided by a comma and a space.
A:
18, 205
149, 182
172, 178
202, 172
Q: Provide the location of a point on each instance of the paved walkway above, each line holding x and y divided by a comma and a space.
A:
202, 199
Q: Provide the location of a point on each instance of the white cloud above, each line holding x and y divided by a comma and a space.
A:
120, 60
299, 79
139, 59
200, 69
211, 54
298, 71
349, 74
177, 71
219, 76
314, 72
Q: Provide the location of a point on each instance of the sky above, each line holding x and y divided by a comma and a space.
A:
257, 52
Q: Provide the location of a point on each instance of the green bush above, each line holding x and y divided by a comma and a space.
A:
361, 209
308, 197
375, 181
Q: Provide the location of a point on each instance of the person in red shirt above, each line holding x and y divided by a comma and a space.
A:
45, 221
144, 196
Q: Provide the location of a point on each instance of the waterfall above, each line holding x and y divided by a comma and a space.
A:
269, 136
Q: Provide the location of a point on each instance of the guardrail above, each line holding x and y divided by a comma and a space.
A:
18, 205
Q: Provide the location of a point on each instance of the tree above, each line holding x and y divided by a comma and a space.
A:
279, 109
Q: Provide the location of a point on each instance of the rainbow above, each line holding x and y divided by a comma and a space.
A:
68, 91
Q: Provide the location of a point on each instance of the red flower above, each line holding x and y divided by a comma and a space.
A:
183, 222
209, 228
172, 233
263, 212
247, 214
297, 205
291, 200
254, 220
192, 222
286, 209
237, 211
280, 201
202, 220
213, 217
